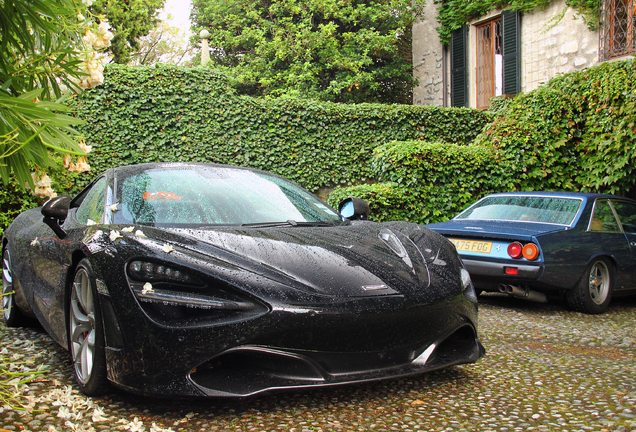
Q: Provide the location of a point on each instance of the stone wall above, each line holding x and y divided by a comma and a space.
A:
549, 46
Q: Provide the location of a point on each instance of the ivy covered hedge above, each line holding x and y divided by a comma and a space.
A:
578, 132
387, 201
167, 113
148, 114
14, 199
428, 182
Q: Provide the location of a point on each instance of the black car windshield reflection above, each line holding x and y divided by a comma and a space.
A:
201, 196
560, 211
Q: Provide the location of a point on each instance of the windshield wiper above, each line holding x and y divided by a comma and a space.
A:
286, 223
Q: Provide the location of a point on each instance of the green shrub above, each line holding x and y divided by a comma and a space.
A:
387, 201
430, 181
575, 133
14, 199
166, 113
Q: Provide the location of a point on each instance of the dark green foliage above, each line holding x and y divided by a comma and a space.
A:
386, 201
14, 199
575, 133
455, 13
353, 51
149, 114
129, 20
430, 181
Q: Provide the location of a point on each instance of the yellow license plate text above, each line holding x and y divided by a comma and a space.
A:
472, 245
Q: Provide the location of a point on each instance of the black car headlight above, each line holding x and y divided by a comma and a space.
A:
145, 271
176, 296
467, 286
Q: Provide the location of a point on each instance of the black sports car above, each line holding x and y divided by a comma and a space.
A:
209, 280
529, 244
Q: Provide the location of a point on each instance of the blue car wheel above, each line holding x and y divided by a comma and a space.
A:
593, 292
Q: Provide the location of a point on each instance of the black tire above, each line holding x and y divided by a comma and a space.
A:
593, 293
86, 332
13, 317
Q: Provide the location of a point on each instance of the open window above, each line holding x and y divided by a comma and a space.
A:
496, 50
489, 62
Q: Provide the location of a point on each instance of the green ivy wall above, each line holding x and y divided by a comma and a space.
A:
576, 133
149, 114
427, 182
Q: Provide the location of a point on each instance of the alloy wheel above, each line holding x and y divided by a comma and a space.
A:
82, 326
7, 286
599, 283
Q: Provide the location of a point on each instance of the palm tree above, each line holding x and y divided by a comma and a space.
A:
40, 56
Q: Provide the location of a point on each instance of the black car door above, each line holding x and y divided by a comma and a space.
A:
54, 258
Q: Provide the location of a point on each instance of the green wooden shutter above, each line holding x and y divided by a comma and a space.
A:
511, 50
459, 67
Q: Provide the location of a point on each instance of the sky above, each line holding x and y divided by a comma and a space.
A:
180, 11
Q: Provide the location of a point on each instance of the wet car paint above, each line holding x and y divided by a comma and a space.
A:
291, 306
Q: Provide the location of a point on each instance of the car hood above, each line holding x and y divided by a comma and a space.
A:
495, 229
338, 261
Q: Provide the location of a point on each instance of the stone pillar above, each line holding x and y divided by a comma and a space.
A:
205, 50
427, 59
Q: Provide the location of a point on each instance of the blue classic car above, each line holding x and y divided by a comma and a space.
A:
529, 244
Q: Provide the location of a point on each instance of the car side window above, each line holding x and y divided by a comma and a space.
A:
603, 218
92, 207
627, 214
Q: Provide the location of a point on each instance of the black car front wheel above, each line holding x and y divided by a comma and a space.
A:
593, 292
86, 333
13, 317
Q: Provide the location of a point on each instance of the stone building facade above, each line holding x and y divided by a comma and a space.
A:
543, 43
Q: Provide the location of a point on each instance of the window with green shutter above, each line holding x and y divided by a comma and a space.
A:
497, 51
511, 48
459, 67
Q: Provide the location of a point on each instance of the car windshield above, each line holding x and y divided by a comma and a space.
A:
203, 195
553, 210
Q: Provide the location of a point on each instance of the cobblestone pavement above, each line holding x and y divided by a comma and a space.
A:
546, 369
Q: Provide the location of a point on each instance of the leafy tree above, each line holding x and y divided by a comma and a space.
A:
129, 20
165, 44
40, 55
337, 50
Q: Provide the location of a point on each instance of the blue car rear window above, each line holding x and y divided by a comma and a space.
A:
553, 210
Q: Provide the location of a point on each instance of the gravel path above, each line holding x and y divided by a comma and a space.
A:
546, 369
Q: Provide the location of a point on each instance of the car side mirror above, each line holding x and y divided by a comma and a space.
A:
354, 208
55, 211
